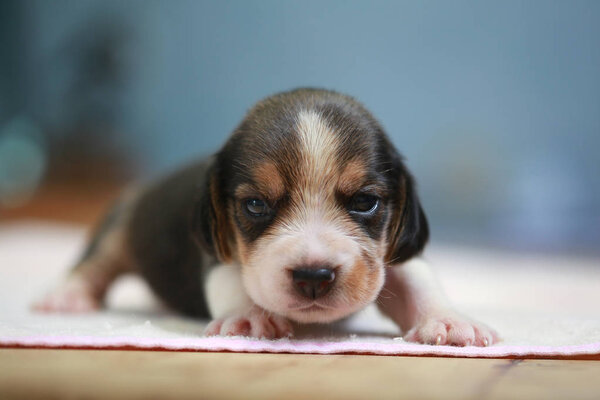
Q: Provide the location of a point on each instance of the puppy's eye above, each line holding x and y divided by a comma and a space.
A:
256, 207
364, 204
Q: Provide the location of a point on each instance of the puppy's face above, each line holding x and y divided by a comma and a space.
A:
311, 199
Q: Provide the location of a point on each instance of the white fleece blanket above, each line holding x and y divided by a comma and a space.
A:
541, 305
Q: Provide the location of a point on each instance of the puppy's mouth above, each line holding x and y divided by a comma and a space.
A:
314, 312
314, 306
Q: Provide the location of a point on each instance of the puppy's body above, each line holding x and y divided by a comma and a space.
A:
147, 232
162, 248
304, 215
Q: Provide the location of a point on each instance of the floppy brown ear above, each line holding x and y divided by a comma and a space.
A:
210, 222
408, 230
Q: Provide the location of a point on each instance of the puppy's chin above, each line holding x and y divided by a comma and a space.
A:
318, 314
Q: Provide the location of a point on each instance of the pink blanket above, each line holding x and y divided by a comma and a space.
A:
542, 306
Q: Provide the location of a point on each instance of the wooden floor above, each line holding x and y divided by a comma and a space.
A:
105, 374
87, 374
81, 203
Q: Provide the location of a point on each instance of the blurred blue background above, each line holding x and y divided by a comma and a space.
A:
495, 105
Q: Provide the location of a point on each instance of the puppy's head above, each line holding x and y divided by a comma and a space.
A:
313, 201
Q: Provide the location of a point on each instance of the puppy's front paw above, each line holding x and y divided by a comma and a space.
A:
73, 296
449, 327
255, 322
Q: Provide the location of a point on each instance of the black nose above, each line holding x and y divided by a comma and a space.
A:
313, 283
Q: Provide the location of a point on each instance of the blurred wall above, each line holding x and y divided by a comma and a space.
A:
496, 105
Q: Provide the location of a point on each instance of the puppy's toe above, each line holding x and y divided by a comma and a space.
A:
261, 327
283, 327
214, 327
484, 335
236, 326
431, 331
460, 332
73, 296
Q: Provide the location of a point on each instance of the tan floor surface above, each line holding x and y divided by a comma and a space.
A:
90, 374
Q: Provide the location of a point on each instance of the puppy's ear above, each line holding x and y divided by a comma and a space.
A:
210, 222
408, 230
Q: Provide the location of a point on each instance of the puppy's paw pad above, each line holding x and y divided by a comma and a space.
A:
451, 329
253, 323
72, 296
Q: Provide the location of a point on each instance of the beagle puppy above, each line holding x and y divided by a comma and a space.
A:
307, 214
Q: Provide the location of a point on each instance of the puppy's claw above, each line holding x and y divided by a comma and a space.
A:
438, 340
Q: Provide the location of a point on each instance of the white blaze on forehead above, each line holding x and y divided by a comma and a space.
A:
319, 146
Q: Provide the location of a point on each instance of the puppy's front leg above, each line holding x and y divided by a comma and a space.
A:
413, 299
234, 313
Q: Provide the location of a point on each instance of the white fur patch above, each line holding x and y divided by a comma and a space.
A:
319, 145
225, 292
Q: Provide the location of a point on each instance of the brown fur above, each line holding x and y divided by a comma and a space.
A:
222, 228
269, 181
352, 177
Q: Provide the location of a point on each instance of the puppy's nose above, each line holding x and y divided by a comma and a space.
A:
313, 283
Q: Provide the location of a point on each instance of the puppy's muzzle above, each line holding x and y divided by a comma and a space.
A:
313, 282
